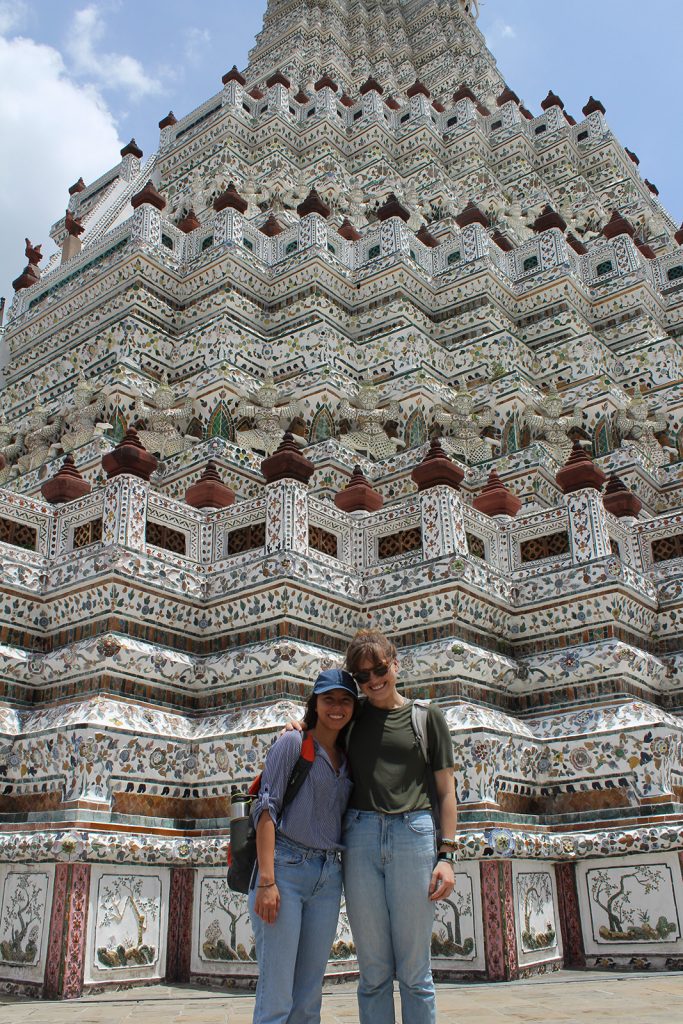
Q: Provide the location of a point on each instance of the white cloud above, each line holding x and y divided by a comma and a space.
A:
110, 70
498, 31
53, 132
196, 42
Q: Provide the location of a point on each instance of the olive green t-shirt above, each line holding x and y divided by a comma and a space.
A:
388, 769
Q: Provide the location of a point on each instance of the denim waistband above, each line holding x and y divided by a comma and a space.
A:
400, 815
307, 851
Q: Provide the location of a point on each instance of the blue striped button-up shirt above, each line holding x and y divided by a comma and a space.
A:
314, 817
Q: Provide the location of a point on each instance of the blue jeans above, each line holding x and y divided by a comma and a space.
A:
293, 952
388, 862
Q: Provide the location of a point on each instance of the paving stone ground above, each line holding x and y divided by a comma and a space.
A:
565, 998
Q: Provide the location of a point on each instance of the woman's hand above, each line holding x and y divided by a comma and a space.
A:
291, 726
267, 903
442, 881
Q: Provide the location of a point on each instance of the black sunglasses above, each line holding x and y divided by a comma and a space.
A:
363, 676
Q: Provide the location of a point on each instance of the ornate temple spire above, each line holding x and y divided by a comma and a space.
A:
395, 41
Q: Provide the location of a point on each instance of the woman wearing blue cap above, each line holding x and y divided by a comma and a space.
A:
294, 904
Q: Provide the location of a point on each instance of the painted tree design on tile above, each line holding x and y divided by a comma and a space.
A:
535, 895
23, 915
629, 921
218, 898
124, 899
447, 936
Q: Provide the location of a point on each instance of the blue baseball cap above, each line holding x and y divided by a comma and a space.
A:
335, 679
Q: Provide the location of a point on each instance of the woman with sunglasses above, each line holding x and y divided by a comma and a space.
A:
393, 872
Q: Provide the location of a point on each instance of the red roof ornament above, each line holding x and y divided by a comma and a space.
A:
326, 83
313, 204
427, 238
73, 224
233, 75
272, 227
495, 499
618, 225
256, 93
631, 155
132, 149
576, 244
552, 100
370, 85
168, 121
278, 79
652, 187
392, 103
359, 495
189, 222
548, 219
647, 250
347, 231
346, 100
130, 456
593, 106
78, 186
391, 207
148, 195
502, 241
619, 500
678, 237
287, 463
302, 97
507, 96
230, 199
418, 88
472, 215
66, 484
579, 472
464, 93
437, 470
209, 491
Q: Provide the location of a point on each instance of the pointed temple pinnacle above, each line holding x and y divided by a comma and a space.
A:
359, 495
437, 470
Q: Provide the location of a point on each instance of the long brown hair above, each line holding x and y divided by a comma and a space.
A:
369, 643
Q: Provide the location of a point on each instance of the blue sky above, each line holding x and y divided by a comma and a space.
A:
78, 78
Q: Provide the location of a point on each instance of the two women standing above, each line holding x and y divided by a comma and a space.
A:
392, 870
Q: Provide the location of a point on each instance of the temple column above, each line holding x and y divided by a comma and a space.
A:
497, 907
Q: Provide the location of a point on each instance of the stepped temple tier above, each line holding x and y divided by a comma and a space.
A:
366, 341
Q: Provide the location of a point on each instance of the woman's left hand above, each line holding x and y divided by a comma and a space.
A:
442, 881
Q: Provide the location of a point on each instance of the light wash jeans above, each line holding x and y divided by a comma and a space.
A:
293, 952
388, 862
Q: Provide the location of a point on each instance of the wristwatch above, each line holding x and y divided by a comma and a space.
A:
450, 856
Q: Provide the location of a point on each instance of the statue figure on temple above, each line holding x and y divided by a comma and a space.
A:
638, 426
545, 420
470, 7
38, 438
267, 406
165, 420
368, 413
463, 427
11, 447
34, 256
82, 418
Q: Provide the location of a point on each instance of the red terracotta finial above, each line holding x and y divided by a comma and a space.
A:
548, 219
552, 100
678, 237
233, 76
391, 207
472, 215
436, 469
651, 186
313, 204
30, 275
593, 106
209, 491
427, 238
130, 456
132, 149
33, 253
78, 186
359, 495
618, 500
168, 121
631, 155
230, 198
347, 231
326, 83
149, 195
278, 79
392, 103
189, 222
346, 100
73, 225
618, 225
66, 484
576, 244
418, 88
302, 97
502, 241
370, 85
495, 499
464, 93
580, 472
507, 96
287, 463
438, 106
271, 227
647, 250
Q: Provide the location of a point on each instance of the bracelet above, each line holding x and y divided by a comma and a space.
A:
452, 844
265, 885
